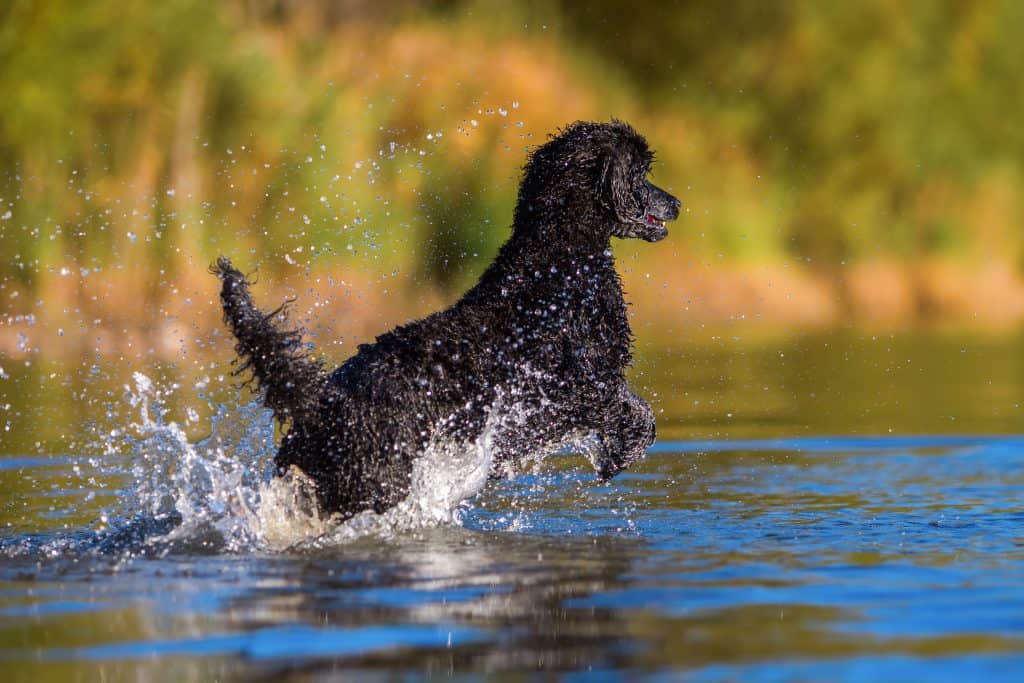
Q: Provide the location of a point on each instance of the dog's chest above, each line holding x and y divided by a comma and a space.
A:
592, 323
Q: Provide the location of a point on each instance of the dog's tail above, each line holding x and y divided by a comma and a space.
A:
290, 380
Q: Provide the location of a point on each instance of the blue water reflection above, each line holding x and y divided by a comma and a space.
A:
813, 558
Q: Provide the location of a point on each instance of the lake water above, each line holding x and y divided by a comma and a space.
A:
840, 506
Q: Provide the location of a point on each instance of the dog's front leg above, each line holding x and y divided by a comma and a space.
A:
625, 433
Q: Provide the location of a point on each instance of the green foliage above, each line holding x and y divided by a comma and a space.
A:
146, 135
856, 106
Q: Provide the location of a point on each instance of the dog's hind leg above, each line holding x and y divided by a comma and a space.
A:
626, 433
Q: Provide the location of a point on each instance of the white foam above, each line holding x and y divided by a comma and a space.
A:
224, 485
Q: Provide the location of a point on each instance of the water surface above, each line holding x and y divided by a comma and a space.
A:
836, 507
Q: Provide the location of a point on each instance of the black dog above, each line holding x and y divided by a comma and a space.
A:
534, 354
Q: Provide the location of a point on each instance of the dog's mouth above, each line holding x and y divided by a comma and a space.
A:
653, 221
657, 229
649, 227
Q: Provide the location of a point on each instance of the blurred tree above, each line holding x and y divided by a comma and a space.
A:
142, 138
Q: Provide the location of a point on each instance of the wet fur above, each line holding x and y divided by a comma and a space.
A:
539, 346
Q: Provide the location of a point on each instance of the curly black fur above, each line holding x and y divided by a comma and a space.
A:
290, 380
544, 331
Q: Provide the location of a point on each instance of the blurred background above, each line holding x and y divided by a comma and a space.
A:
842, 165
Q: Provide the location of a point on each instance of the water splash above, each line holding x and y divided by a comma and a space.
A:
220, 493
444, 477
214, 485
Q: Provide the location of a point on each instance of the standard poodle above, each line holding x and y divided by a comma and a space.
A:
534, 354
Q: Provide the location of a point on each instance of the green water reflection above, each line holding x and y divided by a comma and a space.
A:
838, 383
718, 386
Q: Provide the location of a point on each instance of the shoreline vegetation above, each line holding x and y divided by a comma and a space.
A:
99, 316
839, 165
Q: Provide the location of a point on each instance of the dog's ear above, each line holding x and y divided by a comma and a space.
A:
615, 187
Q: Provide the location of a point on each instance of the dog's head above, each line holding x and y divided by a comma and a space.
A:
597, 173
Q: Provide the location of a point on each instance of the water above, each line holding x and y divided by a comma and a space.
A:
833, 507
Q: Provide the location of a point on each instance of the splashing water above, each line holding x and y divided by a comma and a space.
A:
214, 485
220, 493
444, 476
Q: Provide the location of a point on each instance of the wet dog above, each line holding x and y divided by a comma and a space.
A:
534, 354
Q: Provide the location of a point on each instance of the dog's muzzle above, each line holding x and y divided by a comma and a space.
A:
656, 207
